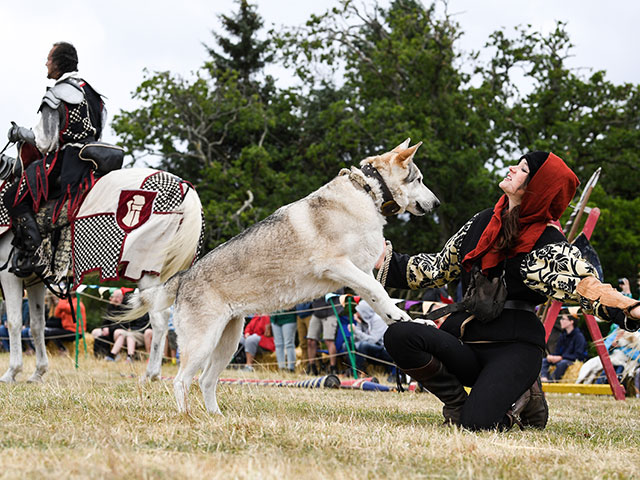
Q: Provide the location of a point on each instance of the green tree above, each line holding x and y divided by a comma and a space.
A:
587, 121
400, 80
243, 52
222, 130
368, 78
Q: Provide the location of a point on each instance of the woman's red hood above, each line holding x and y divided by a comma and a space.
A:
547, 196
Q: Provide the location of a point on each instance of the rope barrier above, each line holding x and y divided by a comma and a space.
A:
328, 355
104, 300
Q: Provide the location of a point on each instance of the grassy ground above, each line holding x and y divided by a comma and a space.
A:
97, 422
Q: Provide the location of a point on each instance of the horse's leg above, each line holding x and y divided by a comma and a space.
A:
12, 289
37, 319
159, 324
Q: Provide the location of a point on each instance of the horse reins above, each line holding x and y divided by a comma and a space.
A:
5, 147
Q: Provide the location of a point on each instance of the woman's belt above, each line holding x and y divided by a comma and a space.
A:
520, 305
456, 307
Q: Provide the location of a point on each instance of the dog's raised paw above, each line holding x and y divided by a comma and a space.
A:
398, 316
424, 321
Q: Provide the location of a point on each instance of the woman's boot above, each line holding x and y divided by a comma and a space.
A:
444, 385
532, 407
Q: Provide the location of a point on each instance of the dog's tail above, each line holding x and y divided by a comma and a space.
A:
154, 299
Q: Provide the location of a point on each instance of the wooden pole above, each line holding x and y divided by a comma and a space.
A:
574, 220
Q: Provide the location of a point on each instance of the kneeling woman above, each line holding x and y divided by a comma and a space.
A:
500, 357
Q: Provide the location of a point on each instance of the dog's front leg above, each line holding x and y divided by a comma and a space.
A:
347, 274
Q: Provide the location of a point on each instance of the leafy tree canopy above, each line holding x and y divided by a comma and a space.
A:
369, 77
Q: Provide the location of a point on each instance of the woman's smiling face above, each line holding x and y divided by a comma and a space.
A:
515, 183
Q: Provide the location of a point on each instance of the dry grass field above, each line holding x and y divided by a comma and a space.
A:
98, 422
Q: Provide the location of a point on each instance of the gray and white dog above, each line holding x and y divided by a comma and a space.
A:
329, 239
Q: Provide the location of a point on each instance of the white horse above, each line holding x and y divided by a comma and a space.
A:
181, 239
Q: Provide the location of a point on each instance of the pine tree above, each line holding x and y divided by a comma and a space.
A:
242, 51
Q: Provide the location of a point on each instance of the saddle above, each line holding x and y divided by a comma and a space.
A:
113, 225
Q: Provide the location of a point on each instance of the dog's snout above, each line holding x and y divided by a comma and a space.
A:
436, 203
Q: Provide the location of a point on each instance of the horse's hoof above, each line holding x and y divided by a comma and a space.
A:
6, 378
35, 379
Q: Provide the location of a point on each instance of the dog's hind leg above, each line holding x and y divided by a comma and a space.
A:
220, 358
199, 333
191, 360
195, 349
346, 273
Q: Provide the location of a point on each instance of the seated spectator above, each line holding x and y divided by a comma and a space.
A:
171, 345
148, 337
323, 326
60, 326
283, 326
171, 340
257, 338
103, 336
368, 332
130, 332
624, 352
624, 287
303, 311
571, 346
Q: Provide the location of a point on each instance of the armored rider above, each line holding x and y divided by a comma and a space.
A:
71, 114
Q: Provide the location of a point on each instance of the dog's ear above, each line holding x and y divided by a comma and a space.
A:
407, 154
402, 146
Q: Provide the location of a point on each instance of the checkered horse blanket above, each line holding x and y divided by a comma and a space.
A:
124, 224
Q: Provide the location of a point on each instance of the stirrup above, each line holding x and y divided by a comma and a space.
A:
22, 265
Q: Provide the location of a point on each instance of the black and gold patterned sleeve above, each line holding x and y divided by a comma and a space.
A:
428, 270
555, 271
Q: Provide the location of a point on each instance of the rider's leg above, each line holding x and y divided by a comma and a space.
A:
27, 235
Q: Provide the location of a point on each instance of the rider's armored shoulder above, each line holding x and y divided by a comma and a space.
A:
68, 91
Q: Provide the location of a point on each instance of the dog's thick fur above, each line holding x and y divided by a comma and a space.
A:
329, 239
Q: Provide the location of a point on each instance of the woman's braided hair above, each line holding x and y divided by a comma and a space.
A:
510, 229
